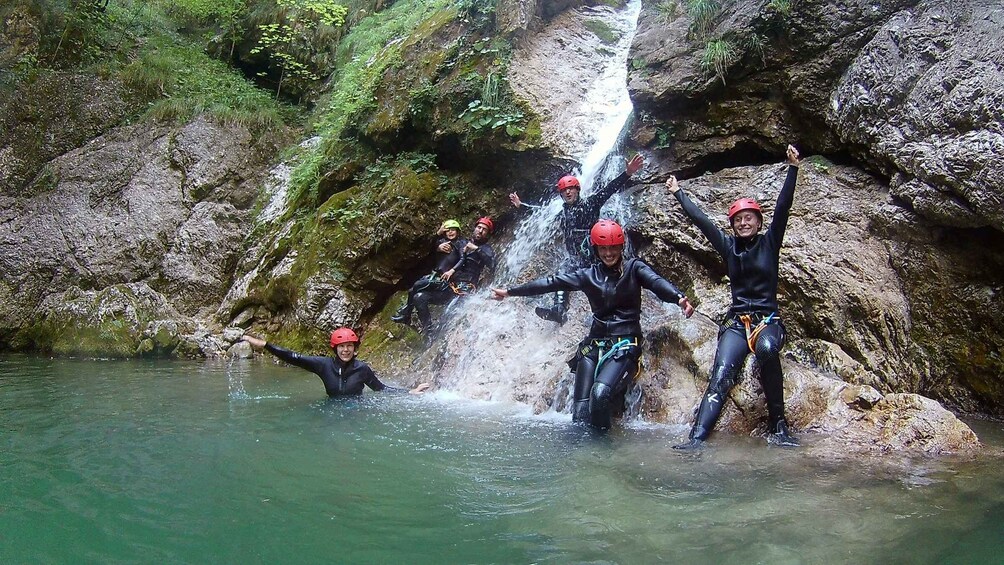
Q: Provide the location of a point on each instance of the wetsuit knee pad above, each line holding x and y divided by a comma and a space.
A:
600, 393
768, 347
599, 405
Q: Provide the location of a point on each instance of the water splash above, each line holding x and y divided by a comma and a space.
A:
501, 351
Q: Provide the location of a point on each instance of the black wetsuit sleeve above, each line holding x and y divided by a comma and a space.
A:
715, 236
314, 364
665, 290
601, 196
550, 283
779, 222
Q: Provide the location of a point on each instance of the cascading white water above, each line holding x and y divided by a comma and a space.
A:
500, 350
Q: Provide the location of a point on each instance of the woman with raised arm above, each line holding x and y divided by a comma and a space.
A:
753, 324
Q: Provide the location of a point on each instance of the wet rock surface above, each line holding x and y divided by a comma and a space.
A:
158, 206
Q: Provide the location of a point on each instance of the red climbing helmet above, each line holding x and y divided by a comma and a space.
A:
744, 204
487, 222
344, 335
566, 182
606, 232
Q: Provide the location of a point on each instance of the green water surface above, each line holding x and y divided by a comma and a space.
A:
248, 462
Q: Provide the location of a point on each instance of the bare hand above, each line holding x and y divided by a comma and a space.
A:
444, 247
792, 154
499, 294
514, 198
470, 247
420, 388
446, 276
688, 309
635, 164
672, 184
254, 341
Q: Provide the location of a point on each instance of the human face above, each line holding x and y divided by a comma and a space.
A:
610, 255
346, 351
746, 223
480, 233
452, 233
570, 195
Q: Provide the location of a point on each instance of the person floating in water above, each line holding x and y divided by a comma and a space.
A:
577, 217
753, 324
607, 360
462, 278
449, 249
343, 374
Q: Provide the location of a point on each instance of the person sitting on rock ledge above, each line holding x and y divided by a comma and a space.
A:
461, 279
343, 374
577, 217
449, 249
606, 362
752, 323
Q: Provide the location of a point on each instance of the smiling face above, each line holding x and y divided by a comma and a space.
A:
610, 255
452, 233
345, 351
746, 223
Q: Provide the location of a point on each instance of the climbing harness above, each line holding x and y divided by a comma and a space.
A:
620, 345
462, 288
753, 332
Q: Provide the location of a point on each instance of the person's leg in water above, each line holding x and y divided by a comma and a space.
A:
768, 355
585, 367
611, 382
732, 351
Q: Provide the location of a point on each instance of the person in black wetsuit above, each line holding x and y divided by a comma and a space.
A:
577, 217
449, 248
607, 360
343, 374
752, 323
462, 278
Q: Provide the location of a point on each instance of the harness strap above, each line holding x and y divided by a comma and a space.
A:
462, 288
754, 332
621, 345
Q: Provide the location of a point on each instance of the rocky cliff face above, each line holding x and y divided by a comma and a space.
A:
161, 210
907, 90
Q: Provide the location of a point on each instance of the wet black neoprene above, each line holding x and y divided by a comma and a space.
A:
340, 378
615, 298
753, 271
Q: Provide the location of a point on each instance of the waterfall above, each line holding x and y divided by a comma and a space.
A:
501, 351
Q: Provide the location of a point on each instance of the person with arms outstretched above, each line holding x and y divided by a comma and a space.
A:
607, 360
753, 324
578, 215
343, 374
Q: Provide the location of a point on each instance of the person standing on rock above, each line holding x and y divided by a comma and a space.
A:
577, 217
343, 374
753, 324
462, 278
449, 249
607, 359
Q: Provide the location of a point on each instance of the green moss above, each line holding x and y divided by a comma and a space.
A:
363, 56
